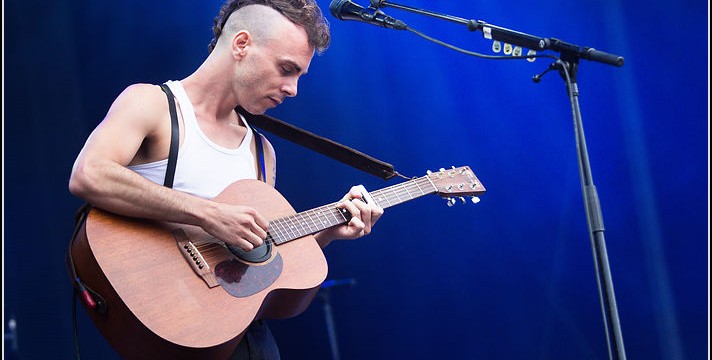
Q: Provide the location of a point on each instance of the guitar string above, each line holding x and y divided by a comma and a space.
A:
298, 229
289, 228
301, 227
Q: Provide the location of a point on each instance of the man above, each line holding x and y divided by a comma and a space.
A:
260, 50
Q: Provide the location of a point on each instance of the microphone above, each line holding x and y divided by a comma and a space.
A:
347, 10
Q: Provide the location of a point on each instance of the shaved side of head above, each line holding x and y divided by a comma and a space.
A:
235, 16
259, 20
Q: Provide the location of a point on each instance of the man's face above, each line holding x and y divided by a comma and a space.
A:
270, 70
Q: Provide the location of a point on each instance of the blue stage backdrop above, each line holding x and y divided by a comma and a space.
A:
511, 277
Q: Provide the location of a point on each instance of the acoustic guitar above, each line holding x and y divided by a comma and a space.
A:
172, 291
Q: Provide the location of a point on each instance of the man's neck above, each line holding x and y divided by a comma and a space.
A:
210, 91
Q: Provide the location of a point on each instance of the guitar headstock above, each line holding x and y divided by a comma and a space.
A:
456, 183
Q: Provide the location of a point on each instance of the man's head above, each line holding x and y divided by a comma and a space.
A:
303, 13
262, 52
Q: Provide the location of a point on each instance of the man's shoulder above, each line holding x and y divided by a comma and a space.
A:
142, 105
142, 97
142, 89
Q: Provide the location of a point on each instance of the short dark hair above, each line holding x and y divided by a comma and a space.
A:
305, 13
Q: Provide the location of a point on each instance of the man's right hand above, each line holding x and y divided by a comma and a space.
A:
237, 225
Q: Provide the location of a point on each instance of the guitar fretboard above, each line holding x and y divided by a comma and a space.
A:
312, 221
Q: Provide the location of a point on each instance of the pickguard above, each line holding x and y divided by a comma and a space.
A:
241, 279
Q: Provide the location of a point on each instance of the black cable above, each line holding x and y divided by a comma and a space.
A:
74, 321
475, 54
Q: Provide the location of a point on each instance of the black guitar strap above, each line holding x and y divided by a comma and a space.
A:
321, 145
175, 132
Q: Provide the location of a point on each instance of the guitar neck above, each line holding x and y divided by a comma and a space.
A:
312, 221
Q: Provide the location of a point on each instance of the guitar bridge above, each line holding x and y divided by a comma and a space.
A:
191, 251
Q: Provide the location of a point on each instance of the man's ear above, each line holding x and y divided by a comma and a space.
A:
240, 43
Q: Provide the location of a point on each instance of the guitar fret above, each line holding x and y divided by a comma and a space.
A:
396, 194
382, 196
431, 183
313, 214
315, 217
286, 228
419, 188
401, 193
288, 223
342, 217
271, 231
329, 215
309, 224
333, 212
305, 228
290, 227
279, 230
426, 180
324, 218
407, 191
300, 225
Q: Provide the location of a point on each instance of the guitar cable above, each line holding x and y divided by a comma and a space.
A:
91, 298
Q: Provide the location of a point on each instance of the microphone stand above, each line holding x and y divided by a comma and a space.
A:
567, 65
324, 295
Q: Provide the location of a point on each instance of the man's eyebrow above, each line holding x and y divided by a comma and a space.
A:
295, 65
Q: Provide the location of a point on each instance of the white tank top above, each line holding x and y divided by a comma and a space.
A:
204, 168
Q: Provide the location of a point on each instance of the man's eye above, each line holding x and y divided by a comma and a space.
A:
287, 70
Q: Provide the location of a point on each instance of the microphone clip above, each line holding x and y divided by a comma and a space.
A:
556, 65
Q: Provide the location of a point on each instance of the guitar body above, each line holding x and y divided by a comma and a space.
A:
159, 307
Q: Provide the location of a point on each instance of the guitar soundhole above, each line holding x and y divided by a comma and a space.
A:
259, 254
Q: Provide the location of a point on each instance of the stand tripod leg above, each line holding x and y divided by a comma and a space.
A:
330, 327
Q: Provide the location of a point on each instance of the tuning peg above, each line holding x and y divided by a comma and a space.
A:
462, 199
450, 202
475, 199
517, 51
